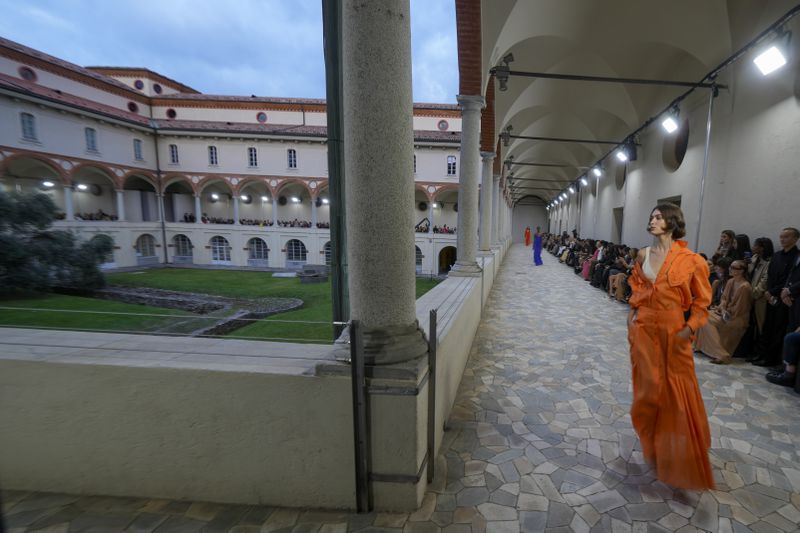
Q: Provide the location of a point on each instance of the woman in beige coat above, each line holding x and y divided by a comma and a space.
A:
728, 322
762, 254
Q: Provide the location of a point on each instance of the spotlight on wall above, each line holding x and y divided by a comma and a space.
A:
295, 199
571, 189
214, 196
244, 197
564, 196
435, 205
583, 181
325, 201
265, 198
82, 187
773, 57
622, 154
48, 184
597, 171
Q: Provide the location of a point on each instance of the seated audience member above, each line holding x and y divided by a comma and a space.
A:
728, 322
619, 274
587, 263
721, 267
742, 247
791, 354
727, 246
759, 268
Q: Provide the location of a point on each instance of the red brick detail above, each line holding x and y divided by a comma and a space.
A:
5, 164
468, 28
487, 119
103, 169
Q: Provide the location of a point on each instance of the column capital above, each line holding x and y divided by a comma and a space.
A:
471, 102
488, 156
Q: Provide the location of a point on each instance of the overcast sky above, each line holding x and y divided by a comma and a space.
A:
239, 47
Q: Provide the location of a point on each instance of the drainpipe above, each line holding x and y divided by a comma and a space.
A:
160, 198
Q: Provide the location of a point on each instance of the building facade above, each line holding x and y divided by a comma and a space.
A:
176, 176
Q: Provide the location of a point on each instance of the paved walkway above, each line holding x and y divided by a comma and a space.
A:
540, 440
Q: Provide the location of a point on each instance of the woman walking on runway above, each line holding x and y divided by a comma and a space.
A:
537, 247
669, 304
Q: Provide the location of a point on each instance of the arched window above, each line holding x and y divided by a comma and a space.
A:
28, 123
291, 157
418, 259
451, 165
328, 249
145, 246
220, 249
257, 249
295, 250
183, 246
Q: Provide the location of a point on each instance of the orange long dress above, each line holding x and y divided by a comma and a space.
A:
667, 411
527, 236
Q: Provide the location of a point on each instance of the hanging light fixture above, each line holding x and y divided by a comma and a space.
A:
583, 181
597, 171
774, 57
670, 122
622, 154
571, 189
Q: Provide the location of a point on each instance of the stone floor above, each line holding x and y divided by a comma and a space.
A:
539, 440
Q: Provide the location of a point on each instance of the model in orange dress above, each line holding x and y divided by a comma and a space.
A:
527, 236
669, 281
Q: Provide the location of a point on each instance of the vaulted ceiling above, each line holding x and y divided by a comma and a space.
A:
647, 39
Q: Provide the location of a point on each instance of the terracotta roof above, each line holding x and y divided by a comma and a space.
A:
6, 43
145, 73
55, 95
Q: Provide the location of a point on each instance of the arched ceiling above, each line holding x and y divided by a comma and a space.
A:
678, 40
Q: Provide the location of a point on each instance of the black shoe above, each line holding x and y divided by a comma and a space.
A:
784, 378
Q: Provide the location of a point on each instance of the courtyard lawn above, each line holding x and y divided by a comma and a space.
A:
316, 298
100, 321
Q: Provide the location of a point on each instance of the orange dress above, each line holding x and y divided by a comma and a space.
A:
667, 411
527, 236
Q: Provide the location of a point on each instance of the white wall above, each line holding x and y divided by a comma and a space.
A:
527, 216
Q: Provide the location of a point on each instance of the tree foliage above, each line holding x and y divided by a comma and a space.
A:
34, 257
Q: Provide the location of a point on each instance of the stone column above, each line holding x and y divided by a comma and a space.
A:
314, 213
378, 112
430, 217
274, 211
486, 202
235, 210
468, 186
495, 210
198, 209
69, 209
160, 207
121, 205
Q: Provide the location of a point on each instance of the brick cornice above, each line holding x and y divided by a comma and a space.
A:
468, 28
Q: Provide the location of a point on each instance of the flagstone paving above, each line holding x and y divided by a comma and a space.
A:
539, 440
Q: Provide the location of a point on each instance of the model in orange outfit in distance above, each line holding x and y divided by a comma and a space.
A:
669, 304
528, 236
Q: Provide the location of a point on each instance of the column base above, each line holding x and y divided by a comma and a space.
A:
465, 269
387, 345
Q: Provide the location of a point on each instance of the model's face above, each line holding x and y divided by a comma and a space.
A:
724, 239
788, 239
657, 225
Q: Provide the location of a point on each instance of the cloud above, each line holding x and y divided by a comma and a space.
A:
263, 47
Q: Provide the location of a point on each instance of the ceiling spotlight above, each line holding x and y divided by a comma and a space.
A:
295, 199
501, 72
244, 198
325, 201
583, 181
597, 172
48, 184
564, 196
770, 60
435, 205
622, 155
669, 124
214, 196
82, 187
571, 189
265, 198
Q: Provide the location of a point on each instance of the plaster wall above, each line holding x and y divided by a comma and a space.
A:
177, 433
527, 216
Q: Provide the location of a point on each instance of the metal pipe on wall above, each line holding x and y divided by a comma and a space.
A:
713, 94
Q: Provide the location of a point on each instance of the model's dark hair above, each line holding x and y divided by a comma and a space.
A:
766, 246
673, 216
742, 245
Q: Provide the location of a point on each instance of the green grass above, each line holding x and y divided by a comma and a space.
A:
102, 321
316, 304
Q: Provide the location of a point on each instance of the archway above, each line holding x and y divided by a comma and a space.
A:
294, 206
146, 250
216, 202
255, 204
94, 194
447, 258
182, 250
141, 200
445, 211
29, 175
257, 253
220, 251
179, 202
296, 254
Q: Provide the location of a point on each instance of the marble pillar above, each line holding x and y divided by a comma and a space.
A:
313, 213
495, 210
236, 210
486, 202
274, 211
198, 209
69, 208
468, 186
121, 206
378, 113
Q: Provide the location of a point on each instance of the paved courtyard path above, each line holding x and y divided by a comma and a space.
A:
539, 440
